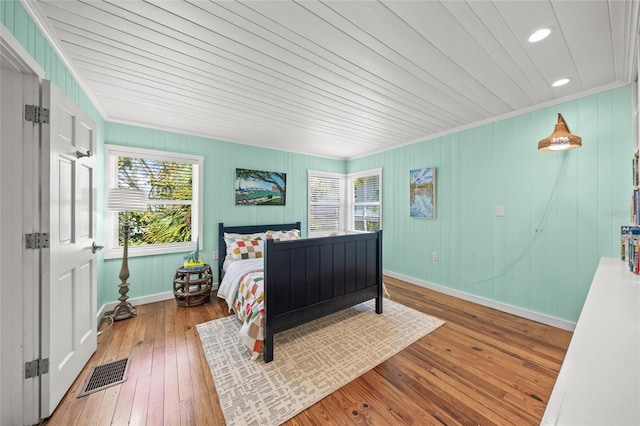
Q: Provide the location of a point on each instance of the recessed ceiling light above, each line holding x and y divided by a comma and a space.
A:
539, 35
561, 82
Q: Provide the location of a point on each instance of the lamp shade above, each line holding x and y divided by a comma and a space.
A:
561, 139
125, 199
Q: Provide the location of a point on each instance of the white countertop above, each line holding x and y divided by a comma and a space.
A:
599, 381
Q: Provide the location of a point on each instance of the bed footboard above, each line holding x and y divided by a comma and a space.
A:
310, 278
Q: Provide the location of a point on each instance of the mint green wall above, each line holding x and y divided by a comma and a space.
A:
154, 274
16, 19
504, 258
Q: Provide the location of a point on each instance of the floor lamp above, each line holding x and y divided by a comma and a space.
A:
125, 200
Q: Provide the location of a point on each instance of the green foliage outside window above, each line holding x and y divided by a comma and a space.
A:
169, 186
366, 210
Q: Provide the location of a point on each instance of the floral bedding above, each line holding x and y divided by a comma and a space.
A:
242, 285
249, 308
243, 290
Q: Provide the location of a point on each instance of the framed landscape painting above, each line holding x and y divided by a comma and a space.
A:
422, 192
260, 188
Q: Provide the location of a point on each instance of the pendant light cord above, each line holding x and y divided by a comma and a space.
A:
539, 229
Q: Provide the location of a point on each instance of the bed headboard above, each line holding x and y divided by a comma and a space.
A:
248, 229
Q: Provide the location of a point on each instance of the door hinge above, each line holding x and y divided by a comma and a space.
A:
35, 368
36, 114
37, 240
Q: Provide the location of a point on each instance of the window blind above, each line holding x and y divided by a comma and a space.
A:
161, 180
366, 204
326, 203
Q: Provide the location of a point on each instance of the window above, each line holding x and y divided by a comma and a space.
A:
365, 201
173, 184
339, 202
326, 203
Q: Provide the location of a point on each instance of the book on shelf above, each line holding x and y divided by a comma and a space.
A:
634, 169
635, 207
630, 247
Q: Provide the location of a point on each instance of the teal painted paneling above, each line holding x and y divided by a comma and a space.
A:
154, 274
563, 210
16, 19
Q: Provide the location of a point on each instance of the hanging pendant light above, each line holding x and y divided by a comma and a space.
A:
561, 139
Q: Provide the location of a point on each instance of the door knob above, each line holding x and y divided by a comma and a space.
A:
95, 247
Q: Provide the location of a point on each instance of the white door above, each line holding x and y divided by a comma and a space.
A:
69, 275
19, 215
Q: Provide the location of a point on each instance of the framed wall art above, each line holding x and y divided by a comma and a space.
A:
422, 192
260, 188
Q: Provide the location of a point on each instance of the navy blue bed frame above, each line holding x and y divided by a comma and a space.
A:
309, 278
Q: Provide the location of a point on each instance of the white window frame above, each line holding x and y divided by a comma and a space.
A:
347, 204
350, 201
314, 173
111, 232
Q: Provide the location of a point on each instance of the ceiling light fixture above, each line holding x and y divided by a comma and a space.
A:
561, 82
561, 139
540, 34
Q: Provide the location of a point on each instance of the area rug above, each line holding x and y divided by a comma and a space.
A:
310, 361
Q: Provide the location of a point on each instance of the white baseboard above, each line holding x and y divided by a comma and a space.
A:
514, 310
137, 301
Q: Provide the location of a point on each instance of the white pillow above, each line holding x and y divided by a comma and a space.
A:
257, 235
244, 246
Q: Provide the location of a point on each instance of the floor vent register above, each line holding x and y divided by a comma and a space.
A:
105, 375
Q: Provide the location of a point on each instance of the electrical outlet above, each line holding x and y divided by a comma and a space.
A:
215, 255
434, 256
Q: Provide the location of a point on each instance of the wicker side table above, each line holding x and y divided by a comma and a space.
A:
192, 287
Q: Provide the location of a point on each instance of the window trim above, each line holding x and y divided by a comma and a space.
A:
111, 233
347, 199
350, 200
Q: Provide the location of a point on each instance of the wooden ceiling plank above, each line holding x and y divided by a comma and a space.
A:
402, 41
134, 89
213, 96
265, 60
361, 49
463, 44
276, 32
583, 44
162, 56
337, 79
497, 21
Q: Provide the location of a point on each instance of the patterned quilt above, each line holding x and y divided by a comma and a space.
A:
249, 307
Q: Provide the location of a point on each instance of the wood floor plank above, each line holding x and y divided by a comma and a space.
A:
88, 415
200, 394
187, 413
134, 335
185, 389
155, 408
207, 386
107, 405
140, 364
171, 400
407, 410
482, 367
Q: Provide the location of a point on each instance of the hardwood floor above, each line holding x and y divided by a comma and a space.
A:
483, 367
